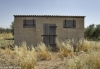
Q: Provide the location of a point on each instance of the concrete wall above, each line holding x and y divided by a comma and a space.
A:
33, 35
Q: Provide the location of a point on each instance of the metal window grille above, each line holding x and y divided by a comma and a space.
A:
69, 23
29, 23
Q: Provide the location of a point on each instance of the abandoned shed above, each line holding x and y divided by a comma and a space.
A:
46, 28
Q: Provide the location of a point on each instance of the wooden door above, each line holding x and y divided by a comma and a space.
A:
49, 35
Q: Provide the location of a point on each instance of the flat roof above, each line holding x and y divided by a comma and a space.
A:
49, 16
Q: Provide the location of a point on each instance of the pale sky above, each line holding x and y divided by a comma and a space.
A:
88, 8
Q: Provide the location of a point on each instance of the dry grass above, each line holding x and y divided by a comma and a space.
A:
65, 48
5, 36
19, 57
84, 61
82, 46
43, 53
6, 40
87, 55
26, 58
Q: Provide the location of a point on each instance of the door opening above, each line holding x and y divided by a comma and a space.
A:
49, 36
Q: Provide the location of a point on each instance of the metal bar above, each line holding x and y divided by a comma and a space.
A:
48, 35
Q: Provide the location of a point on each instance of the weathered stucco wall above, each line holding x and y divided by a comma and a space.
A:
33, 35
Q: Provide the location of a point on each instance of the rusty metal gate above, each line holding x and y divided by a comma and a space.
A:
49, 34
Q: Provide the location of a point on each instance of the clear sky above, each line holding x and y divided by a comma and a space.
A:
88, 8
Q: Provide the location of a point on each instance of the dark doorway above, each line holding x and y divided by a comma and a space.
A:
49, 35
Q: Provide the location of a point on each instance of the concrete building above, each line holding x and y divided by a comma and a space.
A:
46, 28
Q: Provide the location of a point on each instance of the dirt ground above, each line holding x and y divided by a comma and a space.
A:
51, 64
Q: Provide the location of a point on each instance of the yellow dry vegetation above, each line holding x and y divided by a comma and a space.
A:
87, 55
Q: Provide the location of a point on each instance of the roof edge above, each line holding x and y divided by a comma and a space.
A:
47, 16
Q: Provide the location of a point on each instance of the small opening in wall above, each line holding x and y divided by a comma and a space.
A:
29, 23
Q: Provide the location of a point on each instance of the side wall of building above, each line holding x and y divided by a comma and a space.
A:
33, 35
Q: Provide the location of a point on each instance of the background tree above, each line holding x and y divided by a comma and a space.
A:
92, 32
96, 33
12, 27
4, 30
89, 31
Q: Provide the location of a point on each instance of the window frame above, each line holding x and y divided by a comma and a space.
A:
69, 23
29, 23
